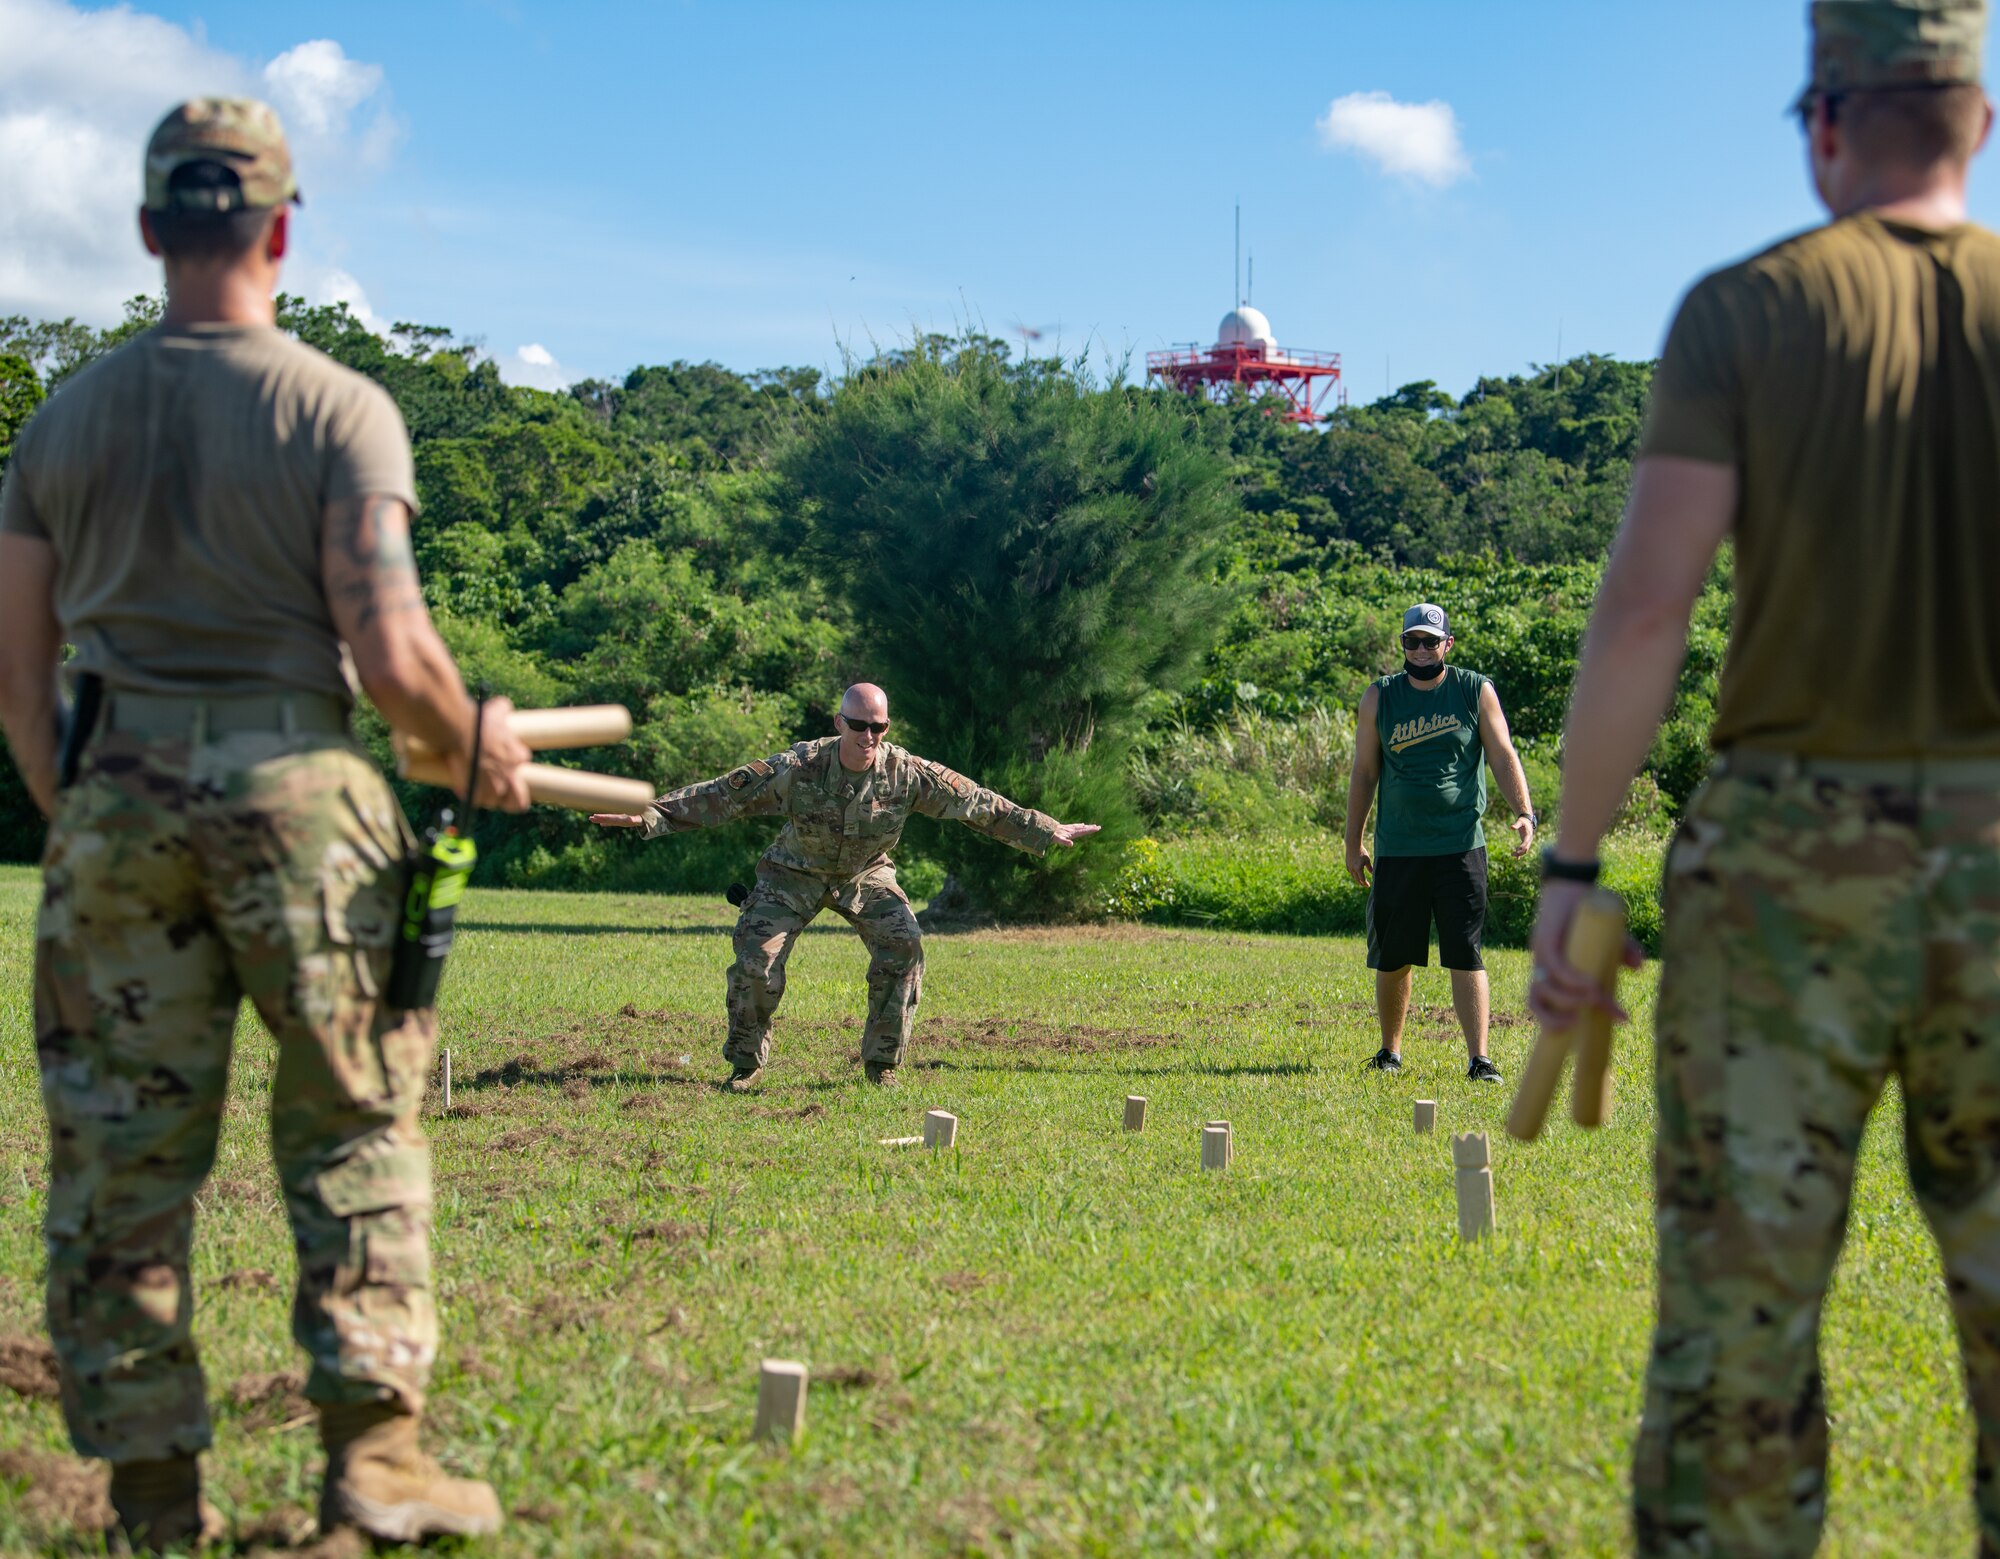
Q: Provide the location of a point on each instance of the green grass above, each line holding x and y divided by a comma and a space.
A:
1060, 1338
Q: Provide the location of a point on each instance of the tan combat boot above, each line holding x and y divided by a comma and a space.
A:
159, 1506
377, 1480
882, 1073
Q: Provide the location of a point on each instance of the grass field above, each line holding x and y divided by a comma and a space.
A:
1059, 1338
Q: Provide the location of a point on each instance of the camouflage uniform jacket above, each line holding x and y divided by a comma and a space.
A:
837, 824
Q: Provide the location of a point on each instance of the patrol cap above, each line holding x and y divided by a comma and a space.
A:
1426, 618
241, 134
1877, 45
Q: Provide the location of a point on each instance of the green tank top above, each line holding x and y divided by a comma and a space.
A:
1433, 786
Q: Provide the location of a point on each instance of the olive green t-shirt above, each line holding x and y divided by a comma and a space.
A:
1852, 377
181, 482
1432, 793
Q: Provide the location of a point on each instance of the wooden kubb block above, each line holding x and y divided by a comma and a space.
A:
1216, 1147
1472, 1157
1426, 1115
940, 1128
781, 1399
1135, 1112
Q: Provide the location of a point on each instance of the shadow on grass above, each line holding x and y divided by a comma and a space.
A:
556, 928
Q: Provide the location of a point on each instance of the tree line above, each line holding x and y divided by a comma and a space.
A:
1048, 566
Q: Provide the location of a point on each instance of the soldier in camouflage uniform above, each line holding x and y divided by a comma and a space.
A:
1833, 894
215, 516
845, 799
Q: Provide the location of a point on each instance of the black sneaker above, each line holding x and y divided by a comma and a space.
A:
1482, 1070
1385, 1061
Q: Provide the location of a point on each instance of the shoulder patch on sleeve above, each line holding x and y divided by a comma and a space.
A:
952, 781
755, 770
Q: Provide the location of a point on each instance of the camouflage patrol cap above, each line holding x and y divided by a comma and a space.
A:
241, 134
1877, 45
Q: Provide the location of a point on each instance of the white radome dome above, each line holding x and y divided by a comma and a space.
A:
1246, 327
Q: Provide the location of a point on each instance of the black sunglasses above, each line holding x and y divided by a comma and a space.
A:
1416, 641
879, 727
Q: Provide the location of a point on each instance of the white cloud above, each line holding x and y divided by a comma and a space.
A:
1405, 140
337, 286
535, 365
80, 90
315, 86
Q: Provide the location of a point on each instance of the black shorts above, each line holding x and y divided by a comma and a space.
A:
1409, 891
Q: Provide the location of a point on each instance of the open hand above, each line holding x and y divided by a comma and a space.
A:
618, 819
1359, 865
1067, 834
1524, 834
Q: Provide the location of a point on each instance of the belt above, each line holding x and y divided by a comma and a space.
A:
199, 716
1906, 773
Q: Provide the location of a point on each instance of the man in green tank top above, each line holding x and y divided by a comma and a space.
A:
1421, 745
1832, 896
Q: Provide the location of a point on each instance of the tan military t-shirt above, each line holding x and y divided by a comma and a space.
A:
181, 482
1852, 376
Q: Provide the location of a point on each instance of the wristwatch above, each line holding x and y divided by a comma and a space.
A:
1554, 870
1533, 817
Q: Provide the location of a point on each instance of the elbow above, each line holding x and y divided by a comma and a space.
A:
390, 673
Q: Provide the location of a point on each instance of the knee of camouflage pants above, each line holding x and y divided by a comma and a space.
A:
877, 909
765, 931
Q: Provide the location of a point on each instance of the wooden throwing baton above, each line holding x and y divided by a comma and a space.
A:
590, 725
1596, 946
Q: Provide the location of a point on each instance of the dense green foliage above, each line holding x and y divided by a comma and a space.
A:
1078, 593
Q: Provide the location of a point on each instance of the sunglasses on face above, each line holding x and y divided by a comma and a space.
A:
1418, 641
879, 727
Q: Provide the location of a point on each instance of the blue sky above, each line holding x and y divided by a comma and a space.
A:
756, 184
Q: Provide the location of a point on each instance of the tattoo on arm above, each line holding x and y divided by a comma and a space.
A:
371, 569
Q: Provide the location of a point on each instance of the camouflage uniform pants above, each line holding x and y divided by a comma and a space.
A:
178, 879
1819, 937
782, 905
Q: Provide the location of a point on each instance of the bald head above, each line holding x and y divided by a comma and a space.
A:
865, 701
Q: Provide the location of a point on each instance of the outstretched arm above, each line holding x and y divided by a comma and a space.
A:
755, 790
944, 794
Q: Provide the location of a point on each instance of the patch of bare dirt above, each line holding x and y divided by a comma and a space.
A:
556, 1313
526, 1137
541, 1513
1025, 1033
847, 1377
805, 1112
347, 1543
282, 1528
28, 1368
463, 1109
62, 1490
271, 1401
256, 1279
963, 1282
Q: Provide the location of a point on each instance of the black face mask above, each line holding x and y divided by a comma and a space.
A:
1421, 673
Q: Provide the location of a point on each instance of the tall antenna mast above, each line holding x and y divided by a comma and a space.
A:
1238, 294
1250, 292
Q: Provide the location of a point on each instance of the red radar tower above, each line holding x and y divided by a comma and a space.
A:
1245, 360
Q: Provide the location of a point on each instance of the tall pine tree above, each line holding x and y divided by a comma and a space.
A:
1027, 558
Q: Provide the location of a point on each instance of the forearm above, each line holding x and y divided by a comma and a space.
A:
1624, 682
707, 805
416, 686
28, 716
1360, 797
1513, 781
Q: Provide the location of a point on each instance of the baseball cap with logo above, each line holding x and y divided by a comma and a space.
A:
239, 134
1893, 45
1425, 618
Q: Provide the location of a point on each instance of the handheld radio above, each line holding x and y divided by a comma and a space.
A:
439, 871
